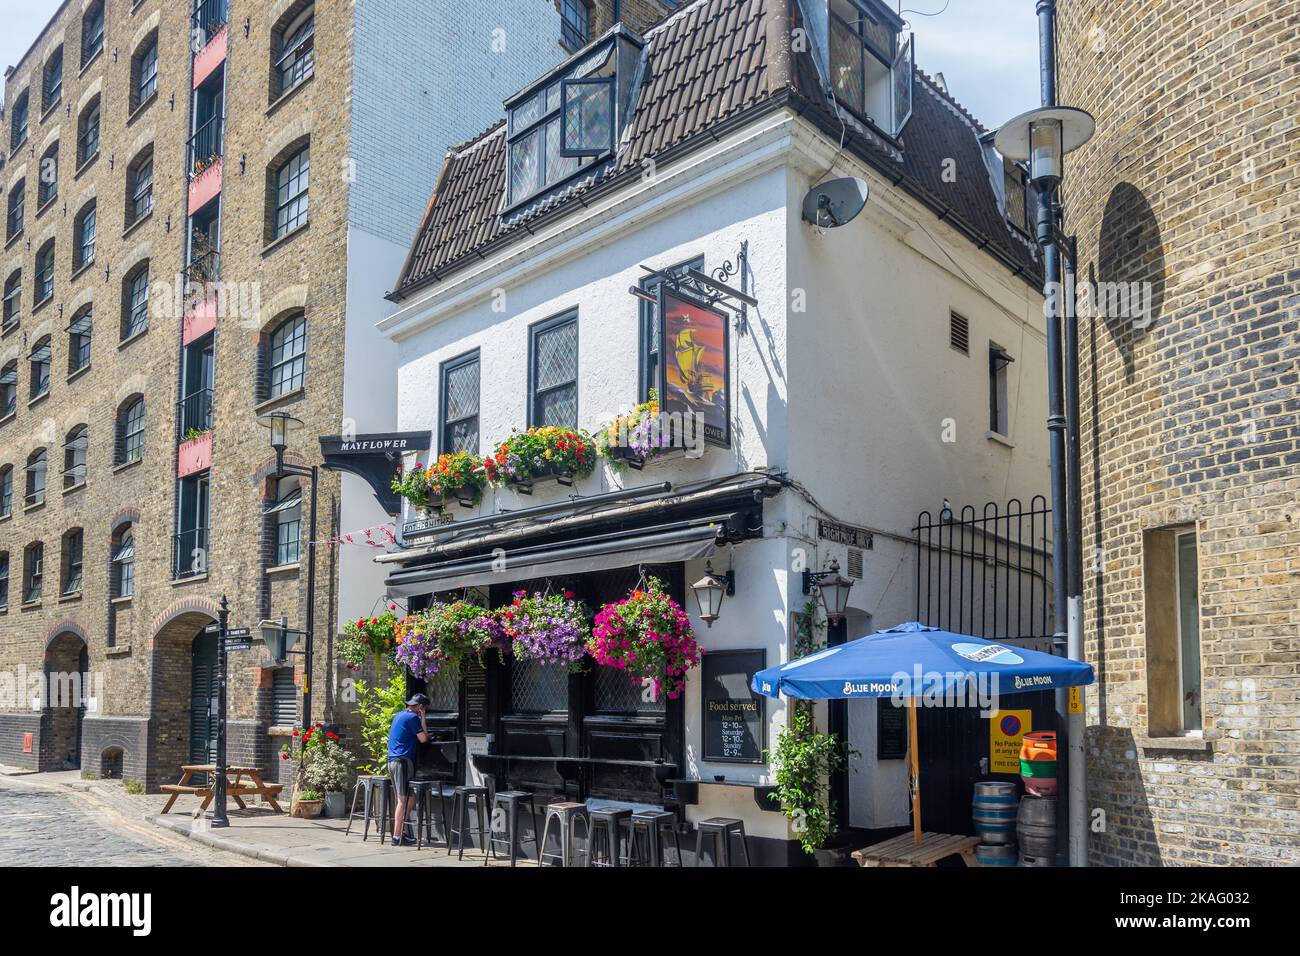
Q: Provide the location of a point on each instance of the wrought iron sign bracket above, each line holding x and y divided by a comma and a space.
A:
713, 289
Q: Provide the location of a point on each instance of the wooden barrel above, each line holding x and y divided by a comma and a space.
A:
1036, 830
986, 855
993, 809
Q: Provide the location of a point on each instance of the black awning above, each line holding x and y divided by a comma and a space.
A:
662, 544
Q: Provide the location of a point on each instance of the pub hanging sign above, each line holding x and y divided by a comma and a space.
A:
695, 364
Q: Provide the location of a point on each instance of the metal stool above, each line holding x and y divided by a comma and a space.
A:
565, 817
366, 788
461, 797
651, 826
423, 791
442, 792
719, 830
607, 823
510, 803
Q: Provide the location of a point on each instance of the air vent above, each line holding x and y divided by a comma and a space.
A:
855, 563
959, 333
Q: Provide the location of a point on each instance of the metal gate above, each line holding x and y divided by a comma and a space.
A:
986, 573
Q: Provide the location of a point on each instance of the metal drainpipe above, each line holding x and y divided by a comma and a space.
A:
1076, 770
1056, 423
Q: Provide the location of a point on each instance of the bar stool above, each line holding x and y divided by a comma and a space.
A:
651, 827
461, 797
423, 791
719, 830
510, 802
366, 786
607, 823
442, 792
565, 817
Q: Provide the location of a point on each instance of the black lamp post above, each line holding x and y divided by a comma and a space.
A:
1043, 137
281, 424
219, 818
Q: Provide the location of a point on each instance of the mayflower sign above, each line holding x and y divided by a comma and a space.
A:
375, 459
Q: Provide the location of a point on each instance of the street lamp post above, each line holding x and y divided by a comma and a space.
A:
219, 818
1043, 137
280, 425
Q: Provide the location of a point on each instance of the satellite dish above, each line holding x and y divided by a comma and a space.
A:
835, 203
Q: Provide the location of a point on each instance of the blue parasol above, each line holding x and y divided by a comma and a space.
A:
914, 661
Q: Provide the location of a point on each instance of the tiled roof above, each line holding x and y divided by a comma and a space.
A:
705, 65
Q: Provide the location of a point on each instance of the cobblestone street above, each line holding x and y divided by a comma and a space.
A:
42, 827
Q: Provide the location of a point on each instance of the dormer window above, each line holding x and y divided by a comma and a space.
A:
566, 123
870, 69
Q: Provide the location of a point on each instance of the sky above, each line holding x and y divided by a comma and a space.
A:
987, 50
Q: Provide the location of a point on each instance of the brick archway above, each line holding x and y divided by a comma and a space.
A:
67, 671
175, 632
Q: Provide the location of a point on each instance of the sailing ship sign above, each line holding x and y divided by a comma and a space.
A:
695, 372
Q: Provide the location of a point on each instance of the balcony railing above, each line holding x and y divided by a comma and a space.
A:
205, 145
204, 269
194, 413
208, 18
190, 554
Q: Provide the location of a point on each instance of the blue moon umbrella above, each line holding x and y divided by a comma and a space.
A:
914, 661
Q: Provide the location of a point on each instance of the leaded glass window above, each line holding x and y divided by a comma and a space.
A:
460, 405
555, 373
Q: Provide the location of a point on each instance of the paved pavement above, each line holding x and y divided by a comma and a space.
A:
58, 818
42, 825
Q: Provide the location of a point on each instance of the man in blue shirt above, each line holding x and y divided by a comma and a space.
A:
409, 730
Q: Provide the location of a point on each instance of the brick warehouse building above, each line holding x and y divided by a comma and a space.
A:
1191, 448
172, 271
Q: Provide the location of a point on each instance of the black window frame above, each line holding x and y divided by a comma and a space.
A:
20, 120
92, 32
285, 514
83, 250
80, 338
52, 81
72, 568
130, 437
47, 190
302, 214
33, 572
298, 379
575, 31
123, 575
139, 187
295, 64
135, 310
9, 392
88, 123
75, 466
16, 209
34, 495
4, 580
144, 72
12, 310
444, 424
6, 491
41, 370
535, 331
44, 274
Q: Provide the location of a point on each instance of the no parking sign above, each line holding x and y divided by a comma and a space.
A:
1007, 729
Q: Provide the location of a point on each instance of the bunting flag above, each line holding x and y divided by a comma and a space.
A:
380, 537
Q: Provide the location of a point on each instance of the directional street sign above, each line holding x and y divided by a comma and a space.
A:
212, 629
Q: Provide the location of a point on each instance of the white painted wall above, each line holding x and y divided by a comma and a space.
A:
848, 395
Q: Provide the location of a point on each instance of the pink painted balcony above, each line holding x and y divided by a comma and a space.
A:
195, 455
213, 54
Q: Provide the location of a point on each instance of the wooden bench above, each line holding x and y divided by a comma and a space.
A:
236, 789
904, 851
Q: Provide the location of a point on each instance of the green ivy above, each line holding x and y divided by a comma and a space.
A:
804, 760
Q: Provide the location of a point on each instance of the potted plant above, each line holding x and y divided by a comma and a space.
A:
308, 805
648, 635
446, 635
455, 476
525, 458
547, 628
374, 637
635, 437
803, 761
328, 771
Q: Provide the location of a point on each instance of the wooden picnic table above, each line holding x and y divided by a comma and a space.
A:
235, 788
905, 851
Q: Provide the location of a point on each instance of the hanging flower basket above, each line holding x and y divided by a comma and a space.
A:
525, 458
635, 438
446, 635
547, 628
649, 636
453, 477
369, 637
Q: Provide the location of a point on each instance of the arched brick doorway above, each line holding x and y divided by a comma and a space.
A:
67, 679
183, 699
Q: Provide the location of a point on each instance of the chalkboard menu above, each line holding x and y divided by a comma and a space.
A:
735, 722
891, 730
476, 698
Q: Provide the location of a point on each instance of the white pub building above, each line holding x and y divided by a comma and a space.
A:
681, 216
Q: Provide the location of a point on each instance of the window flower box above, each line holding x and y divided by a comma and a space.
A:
541, 454
640, 436
455, 477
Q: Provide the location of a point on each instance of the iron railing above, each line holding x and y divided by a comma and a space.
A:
207, 19
194, 413
205, 145
987, 574
204, 268
190, 553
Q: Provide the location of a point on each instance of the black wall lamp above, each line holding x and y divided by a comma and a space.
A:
710, 591
834, 590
